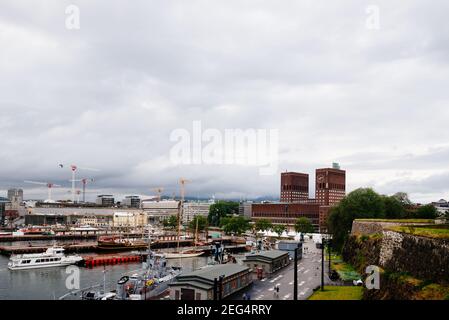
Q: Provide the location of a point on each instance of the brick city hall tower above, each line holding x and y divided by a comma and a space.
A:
330, 186
294, 187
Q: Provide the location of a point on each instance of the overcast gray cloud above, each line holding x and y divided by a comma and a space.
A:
109, 94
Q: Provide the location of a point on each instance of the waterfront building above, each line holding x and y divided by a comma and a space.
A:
129, 219
105, 200
199, 284
268, 261
158, 211
195, 208
245, 209
3, 202
15, 195
95, 217
131, 202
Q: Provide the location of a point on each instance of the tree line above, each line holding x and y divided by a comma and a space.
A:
365, 203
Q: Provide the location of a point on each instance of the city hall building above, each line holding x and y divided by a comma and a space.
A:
330, 189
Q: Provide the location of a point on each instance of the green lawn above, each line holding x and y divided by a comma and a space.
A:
344, 270
437, 231
398, 220
338, 293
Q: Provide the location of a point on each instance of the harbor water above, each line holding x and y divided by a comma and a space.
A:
50, 283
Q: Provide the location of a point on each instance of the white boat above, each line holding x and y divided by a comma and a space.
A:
53, 257
183, 254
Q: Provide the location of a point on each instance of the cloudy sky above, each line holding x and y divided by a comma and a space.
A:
336, 85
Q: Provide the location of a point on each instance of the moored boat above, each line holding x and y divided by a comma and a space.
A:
119, 243
183, 254
52, 257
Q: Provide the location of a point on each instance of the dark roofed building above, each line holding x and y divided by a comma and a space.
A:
199, 284
267, 261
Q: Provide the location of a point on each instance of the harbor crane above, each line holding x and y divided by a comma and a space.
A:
74, 168
49, 185
159, 191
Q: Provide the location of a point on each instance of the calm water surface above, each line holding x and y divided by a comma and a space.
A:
49, 283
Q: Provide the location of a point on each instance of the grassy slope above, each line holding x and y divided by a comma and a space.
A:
338, 293
398, 220
437, 231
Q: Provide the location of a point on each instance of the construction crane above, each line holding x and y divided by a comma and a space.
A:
49, 185
74, 168
85, 181
77, 193
159, 191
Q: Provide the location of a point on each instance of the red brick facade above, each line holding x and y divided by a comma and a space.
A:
294, 187
330, 189
330, 186
286, 213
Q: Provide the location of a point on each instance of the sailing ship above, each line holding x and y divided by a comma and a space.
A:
178, 254
52, 257
117, 243
183, 254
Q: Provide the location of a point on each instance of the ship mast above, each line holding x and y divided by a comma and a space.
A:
181, 208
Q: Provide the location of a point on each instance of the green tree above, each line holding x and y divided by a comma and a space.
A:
394, 208
202, 223
171, 222
263, 225
360, 203
426, 212
304, 225
403, 198
279, 229
236, 225
222, 209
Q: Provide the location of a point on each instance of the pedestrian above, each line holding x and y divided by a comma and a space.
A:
248, 297
245, 296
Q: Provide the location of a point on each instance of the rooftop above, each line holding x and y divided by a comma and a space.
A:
272, 254
212, 272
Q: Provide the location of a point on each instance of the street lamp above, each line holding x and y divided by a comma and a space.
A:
295, 276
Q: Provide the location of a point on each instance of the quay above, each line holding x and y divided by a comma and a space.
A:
80, 247
93, 247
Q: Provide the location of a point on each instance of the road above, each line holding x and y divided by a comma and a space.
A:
309, 277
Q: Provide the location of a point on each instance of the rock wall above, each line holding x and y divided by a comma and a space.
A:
360, 227
421, 257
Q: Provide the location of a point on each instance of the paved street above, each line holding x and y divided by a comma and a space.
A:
309, 277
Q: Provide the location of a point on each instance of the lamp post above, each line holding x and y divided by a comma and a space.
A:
322, 264
295, 276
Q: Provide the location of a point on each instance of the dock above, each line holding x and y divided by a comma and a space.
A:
79, 247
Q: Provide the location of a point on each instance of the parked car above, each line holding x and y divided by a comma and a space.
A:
358, 282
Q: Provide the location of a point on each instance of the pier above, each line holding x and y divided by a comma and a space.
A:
93, 247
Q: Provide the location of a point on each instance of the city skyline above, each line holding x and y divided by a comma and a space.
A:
109, 94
